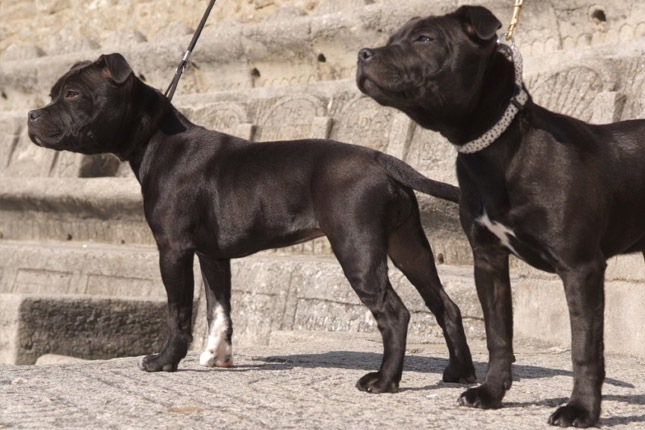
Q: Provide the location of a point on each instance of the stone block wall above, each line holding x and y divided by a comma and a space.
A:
265, 70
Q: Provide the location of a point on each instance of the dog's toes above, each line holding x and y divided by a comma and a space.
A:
211, 358
572, 415
375, 383
155, 363
460, 374
480, 397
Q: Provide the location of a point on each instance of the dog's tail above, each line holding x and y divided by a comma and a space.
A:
406, 175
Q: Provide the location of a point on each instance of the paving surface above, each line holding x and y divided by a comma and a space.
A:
302, 380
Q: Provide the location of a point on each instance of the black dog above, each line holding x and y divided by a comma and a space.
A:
221, 197
560, 194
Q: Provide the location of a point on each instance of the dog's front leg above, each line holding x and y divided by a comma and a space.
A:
494, 292
217, 285
584, 289
177, 276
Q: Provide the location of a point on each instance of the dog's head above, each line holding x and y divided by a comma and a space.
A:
88, 108
432, 68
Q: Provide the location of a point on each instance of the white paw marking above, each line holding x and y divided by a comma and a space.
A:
218, 352
500, 230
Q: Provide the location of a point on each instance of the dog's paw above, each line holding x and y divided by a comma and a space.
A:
572, 415
156, 363
218, 352
480, 397
460, 374
210, 359
375, 383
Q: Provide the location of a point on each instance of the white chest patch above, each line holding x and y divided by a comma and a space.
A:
500, 230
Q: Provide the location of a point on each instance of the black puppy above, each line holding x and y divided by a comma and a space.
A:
221, 197
558, 193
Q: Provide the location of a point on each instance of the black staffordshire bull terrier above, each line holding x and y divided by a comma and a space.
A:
556, 192
221, 197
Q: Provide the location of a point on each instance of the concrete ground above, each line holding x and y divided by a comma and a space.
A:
302, 380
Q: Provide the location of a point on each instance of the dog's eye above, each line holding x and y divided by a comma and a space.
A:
424, 39
71, 94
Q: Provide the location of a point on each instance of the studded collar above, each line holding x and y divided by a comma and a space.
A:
516, 104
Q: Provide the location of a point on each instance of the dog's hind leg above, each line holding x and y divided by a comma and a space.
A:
364, 263
177, 276
217, 285
411, 253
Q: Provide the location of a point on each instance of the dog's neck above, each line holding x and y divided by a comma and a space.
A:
167, 127
487, 107
154, 113
486, 164
502, 98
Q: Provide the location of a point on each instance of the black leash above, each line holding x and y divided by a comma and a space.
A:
184, 61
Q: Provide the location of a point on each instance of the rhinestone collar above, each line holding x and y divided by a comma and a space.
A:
516, 104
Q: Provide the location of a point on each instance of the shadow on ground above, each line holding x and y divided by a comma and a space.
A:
413, 363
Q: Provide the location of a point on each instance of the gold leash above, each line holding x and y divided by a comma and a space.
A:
517, 8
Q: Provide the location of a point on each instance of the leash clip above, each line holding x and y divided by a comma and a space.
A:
505, 46
517, 8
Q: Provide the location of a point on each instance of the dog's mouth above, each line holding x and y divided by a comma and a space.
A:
384, 93
45, 138
83, 142
378, 75
385, 85
36, 140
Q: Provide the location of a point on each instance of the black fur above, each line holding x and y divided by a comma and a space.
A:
220, 197
572, 193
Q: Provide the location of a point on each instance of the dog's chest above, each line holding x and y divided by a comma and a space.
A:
503, 233
530, 252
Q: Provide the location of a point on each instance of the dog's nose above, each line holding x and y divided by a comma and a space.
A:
33, 115
365, 54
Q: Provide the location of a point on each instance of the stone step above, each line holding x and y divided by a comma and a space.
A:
593, 88
300, 48
85, 300
106, 210
49, 26
32, 325
78, 269
110, 210
96, 300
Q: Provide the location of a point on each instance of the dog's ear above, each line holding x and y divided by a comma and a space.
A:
80, 65
478, 22
115, 67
